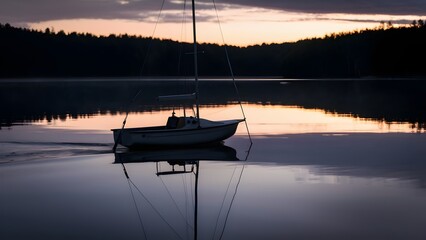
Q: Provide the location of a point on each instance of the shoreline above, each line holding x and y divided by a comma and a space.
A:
205, 79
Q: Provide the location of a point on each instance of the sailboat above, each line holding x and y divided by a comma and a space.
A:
179, 131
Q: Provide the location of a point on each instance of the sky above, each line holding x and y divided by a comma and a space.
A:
241, 22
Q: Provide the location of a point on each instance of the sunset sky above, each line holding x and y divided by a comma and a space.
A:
244, 22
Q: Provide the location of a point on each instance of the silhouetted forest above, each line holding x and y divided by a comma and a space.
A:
383, 52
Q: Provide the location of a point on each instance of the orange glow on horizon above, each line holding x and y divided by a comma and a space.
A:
237, 34
262, 120
241, 27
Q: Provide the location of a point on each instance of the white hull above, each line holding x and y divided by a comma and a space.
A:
189, 135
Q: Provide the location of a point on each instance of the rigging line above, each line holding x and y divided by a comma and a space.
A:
231, 71
192, 191
223, 202
181, 36
125, 120
181, 46
186, 202
248, 152
177, 207
232, 201
152, 38
137, 209
133, 197
155, 210
142, 68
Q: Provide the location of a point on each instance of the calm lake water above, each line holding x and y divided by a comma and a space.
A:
331, 159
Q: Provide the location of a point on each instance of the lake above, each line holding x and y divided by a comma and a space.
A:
330, 159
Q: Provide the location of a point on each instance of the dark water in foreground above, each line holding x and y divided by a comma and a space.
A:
330, 160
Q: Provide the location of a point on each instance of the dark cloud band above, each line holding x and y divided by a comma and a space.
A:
391, 7
21, 11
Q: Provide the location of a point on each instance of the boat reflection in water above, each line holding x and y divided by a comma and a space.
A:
180, 166
216, 152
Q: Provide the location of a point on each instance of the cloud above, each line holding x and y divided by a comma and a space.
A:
27, 11
43, 10
390, 7
21, 11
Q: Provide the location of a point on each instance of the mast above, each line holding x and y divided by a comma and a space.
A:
197, 166
195, 62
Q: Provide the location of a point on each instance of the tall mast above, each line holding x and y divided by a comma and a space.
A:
197, 166
195, 62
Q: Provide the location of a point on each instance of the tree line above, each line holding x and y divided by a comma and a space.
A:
385, 51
